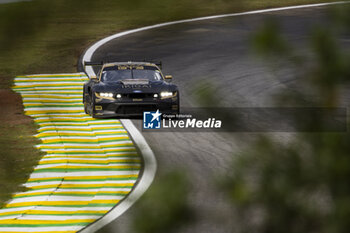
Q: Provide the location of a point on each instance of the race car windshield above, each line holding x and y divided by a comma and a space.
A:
111, 74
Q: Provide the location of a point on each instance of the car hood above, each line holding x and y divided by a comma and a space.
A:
135, 82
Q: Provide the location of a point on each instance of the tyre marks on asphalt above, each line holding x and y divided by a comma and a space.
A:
89, 165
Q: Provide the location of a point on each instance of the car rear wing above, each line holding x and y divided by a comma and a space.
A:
157, 63
92, 63
101, 63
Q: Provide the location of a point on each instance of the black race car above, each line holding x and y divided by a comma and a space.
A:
129, 89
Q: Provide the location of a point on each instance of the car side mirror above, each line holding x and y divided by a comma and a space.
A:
168, 77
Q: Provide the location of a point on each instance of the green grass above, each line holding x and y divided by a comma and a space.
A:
18, 157
48, 36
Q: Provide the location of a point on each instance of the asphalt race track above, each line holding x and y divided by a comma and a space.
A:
218, 51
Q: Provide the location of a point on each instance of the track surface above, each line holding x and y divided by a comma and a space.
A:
216, 50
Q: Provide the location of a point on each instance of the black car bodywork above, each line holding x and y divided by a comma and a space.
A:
129, 89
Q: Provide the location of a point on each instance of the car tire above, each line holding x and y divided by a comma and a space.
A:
178, 102
92, 105
86, 108
93, 115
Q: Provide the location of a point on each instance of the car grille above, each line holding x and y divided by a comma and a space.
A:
139, 95
136, 109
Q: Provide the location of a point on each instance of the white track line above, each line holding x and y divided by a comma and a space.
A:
150, 164
150, 167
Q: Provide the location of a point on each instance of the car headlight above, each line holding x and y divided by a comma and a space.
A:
166, 94
106, 94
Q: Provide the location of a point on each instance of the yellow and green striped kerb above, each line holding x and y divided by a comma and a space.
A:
89, 165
